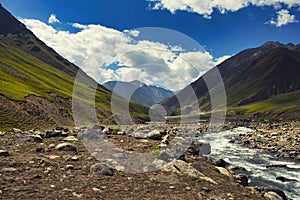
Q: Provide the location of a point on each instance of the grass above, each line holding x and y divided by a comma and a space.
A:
22, 75
288, 102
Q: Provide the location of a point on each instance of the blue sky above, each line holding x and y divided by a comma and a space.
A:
222, 27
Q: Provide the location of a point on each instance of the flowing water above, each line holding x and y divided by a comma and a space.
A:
255, 162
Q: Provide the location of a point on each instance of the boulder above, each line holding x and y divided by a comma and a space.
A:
50, 134
272, 196
34, 138
101, 169
199, 148
241, 179
183, 168
221, 163
66, 147
272, 193
59, 128
154, 135
224, 171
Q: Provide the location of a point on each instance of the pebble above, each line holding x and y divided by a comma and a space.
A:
70, 139
70, 167
96, 189
8, 169
187, 188
77, 195
4, 153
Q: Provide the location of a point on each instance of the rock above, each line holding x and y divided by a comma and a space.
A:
96, 189
77, 195
283, 179
272, 196
276, 166
199, 148
51, 146
154, 135
40, 150
15, 130
101, 169
183, 168
224, 171
106, 131
59, 128
74, 158
121, 133
4, 153
197, 166
140, 135
50, 134
241, 179
34, 138
187, 188
205, 189
8, 169
70, 139
64, 134
272, 193
66, 147
234, 168
70, 167
221, 163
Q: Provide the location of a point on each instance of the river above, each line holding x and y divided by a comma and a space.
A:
255, 162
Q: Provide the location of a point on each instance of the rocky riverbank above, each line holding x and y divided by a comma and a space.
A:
55, 164
280, 138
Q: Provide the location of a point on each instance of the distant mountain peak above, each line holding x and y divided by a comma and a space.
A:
272, 44
146, 95
138, 83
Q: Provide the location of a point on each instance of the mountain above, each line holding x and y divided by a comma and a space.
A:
143, 94
37, 83
259, 82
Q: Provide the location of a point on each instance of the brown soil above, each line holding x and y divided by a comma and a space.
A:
46, 175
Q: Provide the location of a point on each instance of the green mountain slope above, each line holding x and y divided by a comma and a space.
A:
252, 78
37, 83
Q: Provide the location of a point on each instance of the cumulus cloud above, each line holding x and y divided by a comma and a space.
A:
206, 7
52, 19
96, 48
79, 26
221, 59
283, 18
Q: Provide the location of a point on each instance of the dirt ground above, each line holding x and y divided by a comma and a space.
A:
34, 170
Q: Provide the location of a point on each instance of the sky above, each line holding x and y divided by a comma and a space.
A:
109, 39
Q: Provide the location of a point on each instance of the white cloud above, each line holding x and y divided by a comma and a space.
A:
96, 47
52, 19
206, 7
79, 26
134, 33
221, 59
283, 18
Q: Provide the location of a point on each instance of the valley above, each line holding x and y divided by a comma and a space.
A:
64, 135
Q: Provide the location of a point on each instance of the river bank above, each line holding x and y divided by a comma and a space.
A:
56, 164
280, 138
